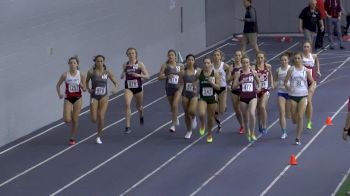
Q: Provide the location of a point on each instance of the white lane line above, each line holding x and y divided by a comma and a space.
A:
235, 157
61, 152
169, 160
113, 157
282, 52
333, 79
211, 51
336, 69
246, 147
302, 150
179, 153
228, 163
341, 183
70, 147
106, 162
333, 62
62, 123
153, 80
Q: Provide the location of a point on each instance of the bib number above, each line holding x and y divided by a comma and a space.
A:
100, 90
265, 84
298, 84
207, 91
189, 87
132, 84
135, 67
73, 88
247, 87
174, 79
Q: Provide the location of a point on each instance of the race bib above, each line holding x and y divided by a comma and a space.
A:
298, 84
207, 91
73, 88
247, 87
132, 83
173, 80
189, 87
100, 90
265, 84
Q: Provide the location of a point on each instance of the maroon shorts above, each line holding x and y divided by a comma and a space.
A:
262, 92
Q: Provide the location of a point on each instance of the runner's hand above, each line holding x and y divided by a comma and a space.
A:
114, 91
319, 74
136, 75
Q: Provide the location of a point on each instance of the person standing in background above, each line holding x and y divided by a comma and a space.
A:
250, 29
309, 18
346, 132
333, 12
320, 33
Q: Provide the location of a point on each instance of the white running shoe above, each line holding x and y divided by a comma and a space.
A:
98, 140
194, 123
172, 129
177, 122
284, 136
188, 135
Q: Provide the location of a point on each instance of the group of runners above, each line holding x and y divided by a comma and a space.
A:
203, 91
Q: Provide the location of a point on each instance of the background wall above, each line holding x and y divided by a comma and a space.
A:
274, 16
38, 36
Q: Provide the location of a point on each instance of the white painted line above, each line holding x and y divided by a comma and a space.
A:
175, 156
169, 160
282, 52
302, 150
334, 62
70, 147
153, 80
62, 123
228, 163
336, 69
211, 51
249, 50
111, 158
107, 160
341, 183
61, 152
332, 80
246, 147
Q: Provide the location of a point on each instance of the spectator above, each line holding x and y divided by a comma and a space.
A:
250, 27
346, 132
320, 34
309, 19
333, 12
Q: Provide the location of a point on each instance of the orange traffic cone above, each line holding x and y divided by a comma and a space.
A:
293, 160
329, 121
